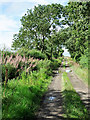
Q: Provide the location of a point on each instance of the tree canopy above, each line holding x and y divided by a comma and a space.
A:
40, 27
77, 17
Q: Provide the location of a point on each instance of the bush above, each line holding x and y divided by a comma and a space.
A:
84, 61
36, 54
32, 53
5, 53
55, 63
46, 64
11, 71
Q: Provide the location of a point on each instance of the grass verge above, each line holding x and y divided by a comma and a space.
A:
72, 105
21, 97
81, 73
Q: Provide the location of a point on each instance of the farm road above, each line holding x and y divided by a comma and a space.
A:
51, 106
81, 88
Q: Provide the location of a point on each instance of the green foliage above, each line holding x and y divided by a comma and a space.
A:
32, 53
11, 71
5, 53
36, 54
37, 26
77, 34
84, 61
22, 97
72, 105
55, 63
45, 64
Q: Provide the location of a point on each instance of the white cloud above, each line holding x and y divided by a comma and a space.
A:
35, 1
8, 27
6, 38
7, 23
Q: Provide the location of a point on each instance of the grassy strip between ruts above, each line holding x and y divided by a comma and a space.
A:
72, 105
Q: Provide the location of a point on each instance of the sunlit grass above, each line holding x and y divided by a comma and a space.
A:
81, 72
72, 105
21, 98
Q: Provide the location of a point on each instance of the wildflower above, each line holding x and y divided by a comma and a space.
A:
23, 60
27, 69
18, 70
34, 65
5, 60
30, 65
17, 65
21, 67
10, 58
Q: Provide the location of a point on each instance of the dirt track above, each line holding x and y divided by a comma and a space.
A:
51, 107
80, 87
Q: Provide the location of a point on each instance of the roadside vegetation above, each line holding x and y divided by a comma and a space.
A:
24, 81
80, 71
27, 72
72, 105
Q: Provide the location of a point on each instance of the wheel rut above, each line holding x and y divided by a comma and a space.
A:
52, 104
51, 108
81, 88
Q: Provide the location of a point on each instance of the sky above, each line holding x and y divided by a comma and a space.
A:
11, 13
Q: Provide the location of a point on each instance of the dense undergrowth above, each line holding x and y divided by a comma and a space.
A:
72, 105
21, 97
22, 92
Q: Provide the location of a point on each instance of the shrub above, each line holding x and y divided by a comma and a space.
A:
55, 63
32, 53
11, 71
46, 64
5, 53
36, 54
84, 61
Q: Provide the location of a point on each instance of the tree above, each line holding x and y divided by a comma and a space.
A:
77, 17
38, 26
